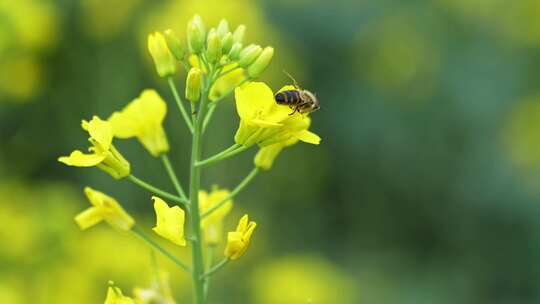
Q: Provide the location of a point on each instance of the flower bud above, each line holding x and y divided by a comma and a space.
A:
239, 33
261, 63
196, 34
174, 44
249, 54
223, 28
163, 59
193, 84
227, 43
234, 53
213, 47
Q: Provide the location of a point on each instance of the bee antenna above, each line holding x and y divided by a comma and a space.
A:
292, 78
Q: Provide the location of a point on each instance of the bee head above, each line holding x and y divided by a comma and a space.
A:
313, 101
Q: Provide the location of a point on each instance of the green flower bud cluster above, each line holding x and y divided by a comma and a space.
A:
219, 46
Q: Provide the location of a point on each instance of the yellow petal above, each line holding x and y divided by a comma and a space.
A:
155, 141
169, 222
143, 118
265, 124
109, 209
123, 125
266, 156
235, 245
308, 137
249, 231
115, 296
252, 99
89, 218
79, 159
288, 88
242, 224
152, 106
100, 131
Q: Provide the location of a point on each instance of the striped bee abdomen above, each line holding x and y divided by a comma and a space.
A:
289, 97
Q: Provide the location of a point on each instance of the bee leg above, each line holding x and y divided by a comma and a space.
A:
295, 109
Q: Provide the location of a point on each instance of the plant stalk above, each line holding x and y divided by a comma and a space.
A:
194, 185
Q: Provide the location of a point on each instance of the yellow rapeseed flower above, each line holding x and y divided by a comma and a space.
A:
162, 56
159, 290
212, 225
104, 208
238, 241
169, 222
103, 155
143, 118
264, 122
115, 296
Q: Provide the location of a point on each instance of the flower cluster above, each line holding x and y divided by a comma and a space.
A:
217, 64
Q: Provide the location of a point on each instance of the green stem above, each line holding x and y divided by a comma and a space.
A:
209, 262
233, 193
194, 185
173, 177
180, 104
216, 268
208, 117
229, 152
162, 250
228, 71
222, 153
155, 190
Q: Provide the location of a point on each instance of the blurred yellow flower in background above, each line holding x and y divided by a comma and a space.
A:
169, 222
521, 133
47, 252
29, 29
34, 23
104, 208
238, 240
518, 24
264, 122
21, 76
399, 57
103, 155
105, 19
300, 279
143, 118
158, 292
115, 296
212, 225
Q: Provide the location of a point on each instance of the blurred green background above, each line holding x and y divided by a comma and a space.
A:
424, 189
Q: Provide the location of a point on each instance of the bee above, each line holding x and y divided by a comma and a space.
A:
299, 100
